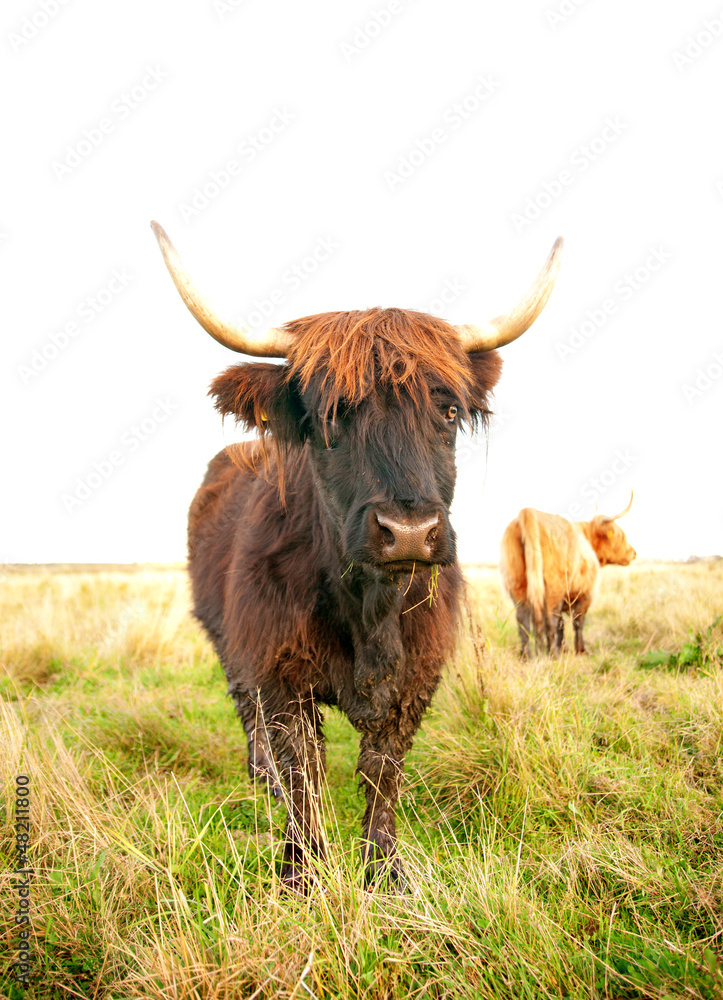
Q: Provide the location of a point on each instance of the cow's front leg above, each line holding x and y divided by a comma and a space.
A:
260, 762
297, 743
381, 765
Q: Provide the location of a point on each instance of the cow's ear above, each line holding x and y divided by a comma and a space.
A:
486, 370
260, 396
602, 527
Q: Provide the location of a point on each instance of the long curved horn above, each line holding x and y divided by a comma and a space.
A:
614, 517
508, 327
273, 343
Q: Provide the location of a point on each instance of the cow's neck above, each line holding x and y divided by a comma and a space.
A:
370, 603
587, 531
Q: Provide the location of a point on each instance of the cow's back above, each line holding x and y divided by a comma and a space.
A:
547, 560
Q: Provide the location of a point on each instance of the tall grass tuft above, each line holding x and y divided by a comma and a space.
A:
560, 823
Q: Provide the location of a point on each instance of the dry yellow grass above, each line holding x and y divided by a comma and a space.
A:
561, 826
51, 619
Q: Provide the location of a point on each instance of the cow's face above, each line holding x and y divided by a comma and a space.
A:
381, 437
610, 543
376, 397
385, 472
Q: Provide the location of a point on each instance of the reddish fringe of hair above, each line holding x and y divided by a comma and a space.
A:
358, 351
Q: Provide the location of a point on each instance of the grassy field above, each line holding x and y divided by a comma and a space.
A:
561, 821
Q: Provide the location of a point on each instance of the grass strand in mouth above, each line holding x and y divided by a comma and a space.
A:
414, 566
433, 584
432, 589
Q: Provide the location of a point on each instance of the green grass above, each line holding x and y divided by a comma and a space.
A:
560, 824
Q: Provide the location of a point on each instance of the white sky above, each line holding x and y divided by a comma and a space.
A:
203, 78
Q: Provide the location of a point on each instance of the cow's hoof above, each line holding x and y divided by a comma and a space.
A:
276, 789
265, 777
296, 882
385, 874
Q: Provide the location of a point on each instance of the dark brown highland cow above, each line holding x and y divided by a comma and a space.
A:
322, 560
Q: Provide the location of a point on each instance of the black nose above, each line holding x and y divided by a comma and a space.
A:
407, 536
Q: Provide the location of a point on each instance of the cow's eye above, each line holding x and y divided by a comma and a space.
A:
450, 414
329, 432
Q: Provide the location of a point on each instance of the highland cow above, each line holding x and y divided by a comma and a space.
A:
550, 565
322, 559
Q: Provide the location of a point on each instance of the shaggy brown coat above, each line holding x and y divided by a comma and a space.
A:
285, 568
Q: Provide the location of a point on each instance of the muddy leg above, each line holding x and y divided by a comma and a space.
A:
260, 764
381, 764
543, 636
286, 742
562, 645
555, 631
578, 620
524, 627
297, 742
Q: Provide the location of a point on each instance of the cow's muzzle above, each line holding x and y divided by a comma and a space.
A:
407, 537
398, 537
